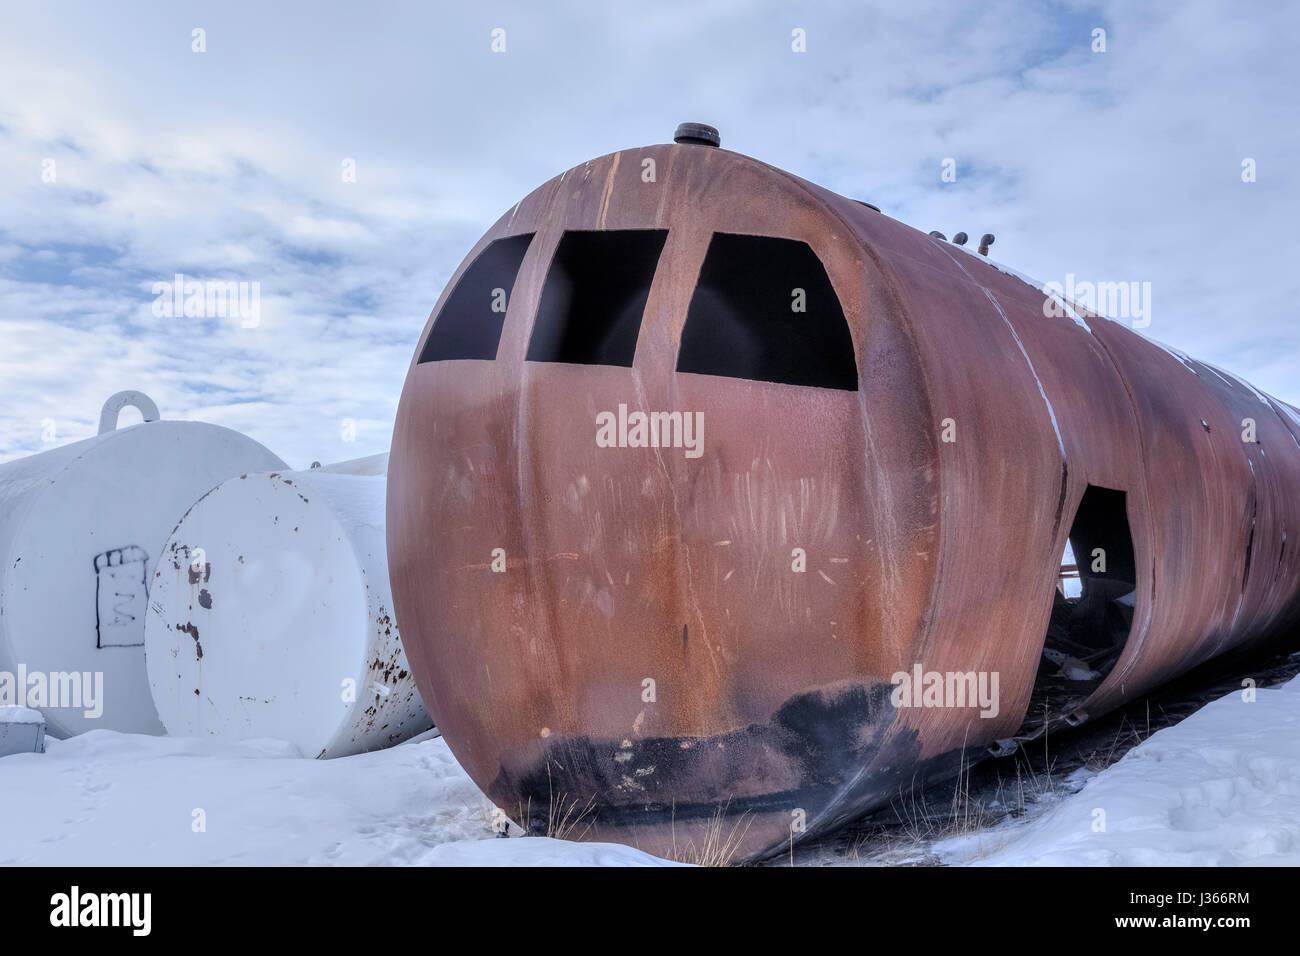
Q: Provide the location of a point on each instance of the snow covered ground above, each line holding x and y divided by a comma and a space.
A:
1221, 787
105, 798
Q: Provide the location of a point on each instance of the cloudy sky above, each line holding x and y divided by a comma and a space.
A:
127, 157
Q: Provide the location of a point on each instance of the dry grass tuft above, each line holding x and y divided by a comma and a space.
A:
718, 845
565, 819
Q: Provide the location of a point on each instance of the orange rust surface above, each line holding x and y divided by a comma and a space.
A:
768, 717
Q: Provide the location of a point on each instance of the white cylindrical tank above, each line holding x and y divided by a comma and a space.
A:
81, 528
369, 465
271, 616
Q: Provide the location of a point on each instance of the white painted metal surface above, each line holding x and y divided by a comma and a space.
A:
369, 465
81, 527
271, 616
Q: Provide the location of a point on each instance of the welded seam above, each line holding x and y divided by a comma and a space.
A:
1060, 442
1146, 487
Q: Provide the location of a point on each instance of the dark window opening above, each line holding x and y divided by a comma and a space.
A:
469, 325
594, 297
764, 309
1092, 611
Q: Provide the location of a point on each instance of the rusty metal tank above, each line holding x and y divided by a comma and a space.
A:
704, 627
